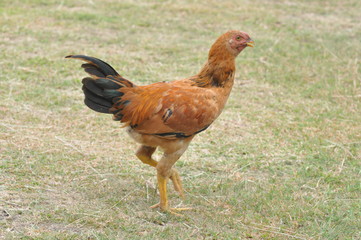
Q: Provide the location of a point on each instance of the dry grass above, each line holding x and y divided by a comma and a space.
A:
282, 161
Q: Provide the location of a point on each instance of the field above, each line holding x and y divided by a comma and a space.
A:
281, 162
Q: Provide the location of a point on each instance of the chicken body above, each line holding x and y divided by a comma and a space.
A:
166, 114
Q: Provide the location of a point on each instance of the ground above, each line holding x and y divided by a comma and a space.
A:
281, 162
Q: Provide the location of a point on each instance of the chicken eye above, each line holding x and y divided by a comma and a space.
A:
238, 38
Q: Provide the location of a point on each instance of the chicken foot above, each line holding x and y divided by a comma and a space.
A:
163, 204
144, 153
165, 171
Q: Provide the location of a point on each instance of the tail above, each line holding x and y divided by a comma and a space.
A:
103, 88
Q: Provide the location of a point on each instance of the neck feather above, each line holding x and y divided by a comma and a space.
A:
218, 70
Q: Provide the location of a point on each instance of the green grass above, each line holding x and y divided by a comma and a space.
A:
282, 161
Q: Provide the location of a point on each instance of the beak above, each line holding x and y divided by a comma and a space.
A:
250, 43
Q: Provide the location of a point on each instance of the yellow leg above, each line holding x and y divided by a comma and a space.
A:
162, 185
177, 182
144, 153
163, 203
147, 160
165, 171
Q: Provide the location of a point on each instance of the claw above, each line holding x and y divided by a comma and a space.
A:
173, 211
155, 205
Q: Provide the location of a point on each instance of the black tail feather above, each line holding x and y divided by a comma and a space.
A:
107, 83
102, 89
97, 99
95, 106
102, 66
92, 70
89, 83
112, 93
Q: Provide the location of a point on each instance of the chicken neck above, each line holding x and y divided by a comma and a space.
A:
218, 70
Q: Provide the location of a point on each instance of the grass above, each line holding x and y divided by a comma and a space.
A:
282, 161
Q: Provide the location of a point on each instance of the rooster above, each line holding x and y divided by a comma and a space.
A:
166, 115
